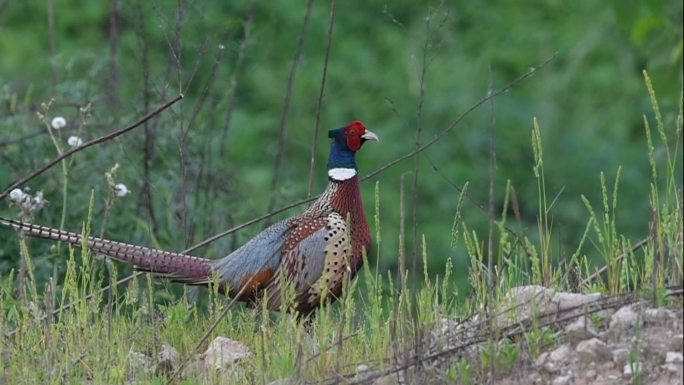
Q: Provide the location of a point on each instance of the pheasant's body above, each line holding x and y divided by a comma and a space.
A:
312, 253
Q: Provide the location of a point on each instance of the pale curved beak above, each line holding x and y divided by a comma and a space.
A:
370, 136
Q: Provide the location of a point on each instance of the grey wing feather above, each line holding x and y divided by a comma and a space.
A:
312, 252
261, 252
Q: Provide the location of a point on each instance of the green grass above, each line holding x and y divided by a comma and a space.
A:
378, 322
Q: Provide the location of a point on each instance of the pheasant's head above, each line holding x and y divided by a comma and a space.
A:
346, 141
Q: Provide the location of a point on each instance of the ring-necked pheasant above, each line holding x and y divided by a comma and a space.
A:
314, 252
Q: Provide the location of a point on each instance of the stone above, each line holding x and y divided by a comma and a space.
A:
567, 301
363, 374
631, 369
390, 379
581, 329
562, 380
658, 316
560, 354
677, 342
674, 358
593, 350
283, 381
521, 302
139, 361
221, 354
590, 374
620, 356
623, 319
168, 360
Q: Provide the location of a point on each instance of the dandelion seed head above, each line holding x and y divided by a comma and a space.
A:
58, 122
74, 141
121, 190
17, 195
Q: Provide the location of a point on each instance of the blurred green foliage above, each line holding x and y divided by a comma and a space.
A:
217, 172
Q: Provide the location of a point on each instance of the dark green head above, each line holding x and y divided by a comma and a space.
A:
346, 141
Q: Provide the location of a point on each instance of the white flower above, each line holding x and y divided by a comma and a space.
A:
17, 195
74, 141
120, 190
58, 122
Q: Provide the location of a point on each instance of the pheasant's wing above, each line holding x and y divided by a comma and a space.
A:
315, 255
255, 262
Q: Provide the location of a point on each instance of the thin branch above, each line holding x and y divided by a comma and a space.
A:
85, 145
492, 176
233, 83
319, 103
286, 104
114, 17
460, 118
419, 129
52, 35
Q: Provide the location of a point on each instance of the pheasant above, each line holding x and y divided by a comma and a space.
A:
314, 252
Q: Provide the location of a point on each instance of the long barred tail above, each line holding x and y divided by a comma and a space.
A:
175, 266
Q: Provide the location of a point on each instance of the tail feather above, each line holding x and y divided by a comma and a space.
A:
178, 267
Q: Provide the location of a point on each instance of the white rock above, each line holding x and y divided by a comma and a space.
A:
631, 369
574, 300
677, 341
593, 350
560, 354
674, 358
222, 353
524, 301
139, 363
623, 319
580, 330
620, 356
562, 380
590, 374
673, 368
168, 359
658, 316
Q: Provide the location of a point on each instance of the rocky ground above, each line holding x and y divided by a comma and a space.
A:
596, 340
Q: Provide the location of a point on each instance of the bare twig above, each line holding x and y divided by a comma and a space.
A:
52, 34
85, 145
490, 208
286, 104
319, 103
114, 16
419, 129
233, 83
460, 118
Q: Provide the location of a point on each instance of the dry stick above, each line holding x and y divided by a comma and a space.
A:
286, 104
233, 82
146, 198
462, 116
620, 257
419, 129
490, 214
85, 145
319, 103
114, 18
177, 51
492, 175
52, 33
